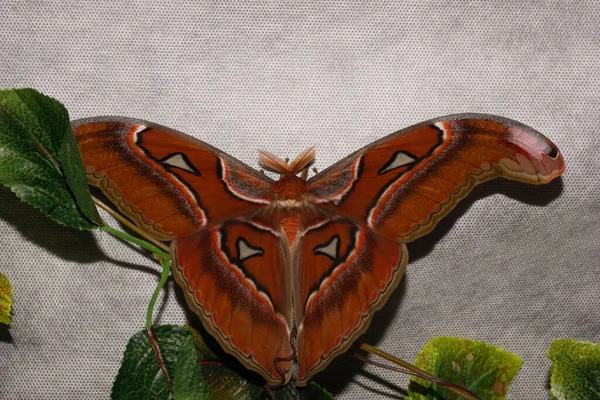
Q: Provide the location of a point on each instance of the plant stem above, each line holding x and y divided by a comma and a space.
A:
131, 226
140, 242
163, 258
164, 275
161, 252
159, 249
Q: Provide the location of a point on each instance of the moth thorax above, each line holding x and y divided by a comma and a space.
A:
289, 203
288, 191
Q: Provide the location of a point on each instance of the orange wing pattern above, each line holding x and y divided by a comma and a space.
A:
168, 183
403, 184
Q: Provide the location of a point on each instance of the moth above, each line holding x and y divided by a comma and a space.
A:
294, 268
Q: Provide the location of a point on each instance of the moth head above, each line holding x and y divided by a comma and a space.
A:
273, 163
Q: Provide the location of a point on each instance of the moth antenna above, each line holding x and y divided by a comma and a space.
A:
303, 160
273, 163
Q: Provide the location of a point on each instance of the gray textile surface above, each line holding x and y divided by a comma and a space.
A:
513, 265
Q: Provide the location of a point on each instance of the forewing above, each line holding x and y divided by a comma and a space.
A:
169, 183
345, 273
403, 184
234, 276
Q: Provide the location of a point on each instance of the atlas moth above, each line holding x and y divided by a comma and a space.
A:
294, 268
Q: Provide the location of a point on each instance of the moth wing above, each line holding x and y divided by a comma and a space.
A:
344, 274
169, 183
235, 278
402, 185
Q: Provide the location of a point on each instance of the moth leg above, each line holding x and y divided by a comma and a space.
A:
269, 391
278, 360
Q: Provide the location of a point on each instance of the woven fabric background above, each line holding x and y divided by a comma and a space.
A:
514, 265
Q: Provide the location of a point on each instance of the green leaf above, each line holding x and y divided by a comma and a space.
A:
40, 160
140, 376
575, 369
5, 299
222, 382
188, 381
485, 369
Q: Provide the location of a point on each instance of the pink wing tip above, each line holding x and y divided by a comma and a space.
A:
540, 157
